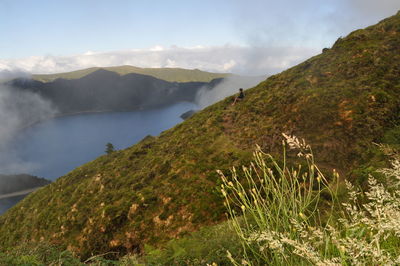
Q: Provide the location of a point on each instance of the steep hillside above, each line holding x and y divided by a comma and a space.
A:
341, 101
104, 90
167, 74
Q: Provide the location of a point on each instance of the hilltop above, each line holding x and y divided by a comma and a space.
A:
167, 74
341, 101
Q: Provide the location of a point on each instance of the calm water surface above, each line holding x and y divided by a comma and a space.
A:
57, 146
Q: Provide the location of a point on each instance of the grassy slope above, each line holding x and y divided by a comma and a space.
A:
168, 74
340, 101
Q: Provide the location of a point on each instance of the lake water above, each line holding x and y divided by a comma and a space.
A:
5, 204
55, 147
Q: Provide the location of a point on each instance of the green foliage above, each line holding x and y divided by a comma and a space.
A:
272, 199
109, 148
277, 217
38, 254
41, 254
206, 246
392, 137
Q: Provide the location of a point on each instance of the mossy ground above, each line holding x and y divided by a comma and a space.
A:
341, 102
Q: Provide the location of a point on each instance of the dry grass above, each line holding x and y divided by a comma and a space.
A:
280, 220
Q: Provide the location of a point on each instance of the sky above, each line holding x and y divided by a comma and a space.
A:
253, 37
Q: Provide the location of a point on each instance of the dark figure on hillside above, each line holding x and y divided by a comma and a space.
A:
240, 97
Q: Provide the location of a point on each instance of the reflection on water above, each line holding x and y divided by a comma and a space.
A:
57, 146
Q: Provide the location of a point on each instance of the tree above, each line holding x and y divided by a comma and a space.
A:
109, 148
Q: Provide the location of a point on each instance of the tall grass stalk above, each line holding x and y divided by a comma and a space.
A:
276, 212
275, 198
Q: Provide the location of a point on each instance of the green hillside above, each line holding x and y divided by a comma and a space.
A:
341, 102
167, 74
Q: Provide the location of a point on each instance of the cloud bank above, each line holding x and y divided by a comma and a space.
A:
234, 59
18, 109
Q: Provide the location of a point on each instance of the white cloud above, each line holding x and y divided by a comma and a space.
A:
308, 22
18, 109
157, 48
229, 65
228, 58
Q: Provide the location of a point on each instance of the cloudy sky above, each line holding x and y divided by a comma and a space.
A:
242, 36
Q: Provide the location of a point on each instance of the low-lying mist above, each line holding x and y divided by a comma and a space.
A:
18, 109
227, 87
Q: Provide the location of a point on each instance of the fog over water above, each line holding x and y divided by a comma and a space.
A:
54, 147
18, 109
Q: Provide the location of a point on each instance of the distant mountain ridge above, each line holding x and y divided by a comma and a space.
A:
167, 74
104, 90
14, 183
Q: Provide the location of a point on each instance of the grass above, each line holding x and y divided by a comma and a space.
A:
38, 254
269, 199
276, 212
206, 246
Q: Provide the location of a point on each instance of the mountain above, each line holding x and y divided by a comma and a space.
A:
10, 184
167, 74
104, 90
14, 183
341, 101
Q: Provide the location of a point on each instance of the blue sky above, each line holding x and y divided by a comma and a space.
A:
38, 27
62, 35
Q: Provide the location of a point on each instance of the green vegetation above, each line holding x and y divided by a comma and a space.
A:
285, 215
38, 254
279, 215
163, 188
43, 254
168, 74
274, 200
208, 245
109, 148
